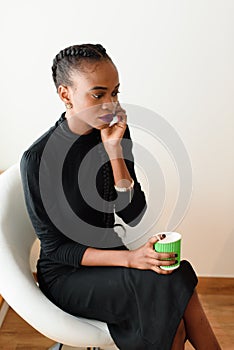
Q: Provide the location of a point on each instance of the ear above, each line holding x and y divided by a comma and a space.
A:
64, 93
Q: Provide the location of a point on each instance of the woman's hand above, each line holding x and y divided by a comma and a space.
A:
112, 135
146, 258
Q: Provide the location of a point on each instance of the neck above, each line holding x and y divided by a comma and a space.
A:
76, 125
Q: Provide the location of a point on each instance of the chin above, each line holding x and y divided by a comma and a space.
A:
100, 127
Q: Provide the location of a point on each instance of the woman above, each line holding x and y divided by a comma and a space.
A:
144, 306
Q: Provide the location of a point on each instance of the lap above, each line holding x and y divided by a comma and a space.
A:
128, 300
109, 292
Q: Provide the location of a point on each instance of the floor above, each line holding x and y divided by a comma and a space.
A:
16, 334
220, 311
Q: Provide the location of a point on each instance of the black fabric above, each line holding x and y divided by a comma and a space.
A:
142, 309
57, 250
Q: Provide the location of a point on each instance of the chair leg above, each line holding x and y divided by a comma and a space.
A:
61, 347
56, 346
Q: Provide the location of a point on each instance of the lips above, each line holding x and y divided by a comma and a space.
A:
107, 118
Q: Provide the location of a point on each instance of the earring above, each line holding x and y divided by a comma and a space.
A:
68, 105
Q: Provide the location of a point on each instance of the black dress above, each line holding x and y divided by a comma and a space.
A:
141, 308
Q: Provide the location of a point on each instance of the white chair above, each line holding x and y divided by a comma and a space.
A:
17, 285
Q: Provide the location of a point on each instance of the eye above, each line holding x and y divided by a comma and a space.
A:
97, 96
115, 93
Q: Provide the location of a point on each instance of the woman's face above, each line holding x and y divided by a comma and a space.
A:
94, 93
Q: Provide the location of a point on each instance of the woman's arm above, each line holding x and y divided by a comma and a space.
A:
122, 177
143, 258
130, 206
112, 138
54, 244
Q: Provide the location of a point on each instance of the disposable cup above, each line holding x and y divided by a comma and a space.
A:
170, 244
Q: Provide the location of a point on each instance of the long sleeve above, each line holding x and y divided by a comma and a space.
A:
135, 205
54, 244
57, 245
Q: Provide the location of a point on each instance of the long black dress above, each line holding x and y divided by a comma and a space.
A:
141, 308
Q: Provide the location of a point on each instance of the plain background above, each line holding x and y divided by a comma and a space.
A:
174, 57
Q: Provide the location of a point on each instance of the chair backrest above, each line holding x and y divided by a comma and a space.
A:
16, 282
13, 215
16, 231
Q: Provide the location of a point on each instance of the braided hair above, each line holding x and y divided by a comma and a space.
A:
74, 58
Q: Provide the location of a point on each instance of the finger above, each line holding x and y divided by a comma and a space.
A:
122, 118
121, 125
151, 254
119, 108
160, 271
158, 262
160, 236
163, 256
153, 240
153, 262
121, 113
167, 262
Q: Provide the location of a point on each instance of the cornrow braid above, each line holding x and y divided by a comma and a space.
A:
72, 58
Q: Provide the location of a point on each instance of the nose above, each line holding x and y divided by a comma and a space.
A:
110, 105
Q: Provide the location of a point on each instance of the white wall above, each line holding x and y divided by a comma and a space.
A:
174, 57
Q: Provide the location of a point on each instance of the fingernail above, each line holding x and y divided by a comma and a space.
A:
176, 255
163, 235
